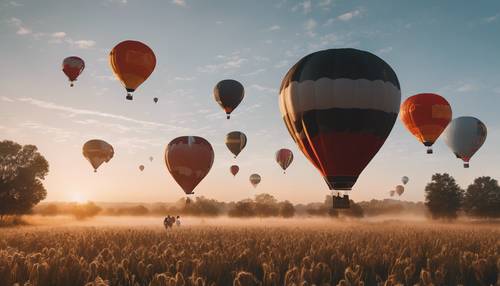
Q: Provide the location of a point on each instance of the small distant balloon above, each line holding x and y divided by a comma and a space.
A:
72, 68
234, 169
400, 190
228, 93
189, 159
284, 157
151, 159
97, 152
235, 142
155, 99
255, 180
405, 180
465, 135
132, 63
141, 167
392, 192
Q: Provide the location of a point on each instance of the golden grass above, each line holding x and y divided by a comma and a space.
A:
292, 252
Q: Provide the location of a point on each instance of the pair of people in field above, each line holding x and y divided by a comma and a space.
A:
169, 221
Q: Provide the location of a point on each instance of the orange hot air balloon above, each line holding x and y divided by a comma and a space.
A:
189, 159
426, 115
141, 167
72, 68
132, 63
234, 170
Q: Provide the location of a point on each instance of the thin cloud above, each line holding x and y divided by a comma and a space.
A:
181, 3
71, 111
491, 19
467, 87
57, 134
349, 15
255, 72
15, 4
274, 28
187, 78
18, 24
305, 6
385, 50
6, 99
233, 61
58, 35
264, 88
309, 26
81, 44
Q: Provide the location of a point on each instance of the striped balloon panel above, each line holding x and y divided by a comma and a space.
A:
339, 106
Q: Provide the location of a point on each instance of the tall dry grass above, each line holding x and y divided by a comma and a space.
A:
359, 254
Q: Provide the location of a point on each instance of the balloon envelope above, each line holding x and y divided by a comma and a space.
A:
141, 167
405, 180
465, 135
155, 99
339, 106
151, 159
189, 159
255, 179
400, 190
132, 63
234, 169
235, 142
228, 93
426, 115
392, 192
97, 152
73, 67
284, 157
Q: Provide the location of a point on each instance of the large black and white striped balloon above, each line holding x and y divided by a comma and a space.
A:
339, 105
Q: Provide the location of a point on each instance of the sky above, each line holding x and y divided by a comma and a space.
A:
448, 47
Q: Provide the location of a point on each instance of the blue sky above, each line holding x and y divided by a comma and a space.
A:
448, 47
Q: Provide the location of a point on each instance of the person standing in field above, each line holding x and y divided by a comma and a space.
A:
167, 222
178, 221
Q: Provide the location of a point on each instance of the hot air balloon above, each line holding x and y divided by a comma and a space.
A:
155, 99
255, 180
405, 180
339, 106
284, 157
235, 142
426, 115
132, 63
97, 152
234, 169
229, 93
141, 167
189, 159
150, 158
392, 192
465, 135
400, 190
72, 68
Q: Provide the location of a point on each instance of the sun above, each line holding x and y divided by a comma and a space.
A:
78, 198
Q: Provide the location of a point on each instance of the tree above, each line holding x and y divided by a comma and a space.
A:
266, 205
84, 211
22, 170
443, 197
287, 209
482, 198
244, 208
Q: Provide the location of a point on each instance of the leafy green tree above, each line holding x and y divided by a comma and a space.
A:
22, 169
443, 197
482, 198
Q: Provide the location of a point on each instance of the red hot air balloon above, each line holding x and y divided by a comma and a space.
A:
284, 157
426, 115
229, 93
234, 170
339, 106
189, 159
72, 68
132, 63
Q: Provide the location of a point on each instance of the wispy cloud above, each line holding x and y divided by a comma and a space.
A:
305, 6
309, 26
71, 111
325, 3
234, 61
186, 78
280, 64
81, 44
15, 4
255, 72
6, 99
349, 15
264, 88
491, 19
19, 25
181, 3
57, 134
274, 28
466, 87
385, 50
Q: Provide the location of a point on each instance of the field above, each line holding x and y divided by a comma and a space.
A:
252, 252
